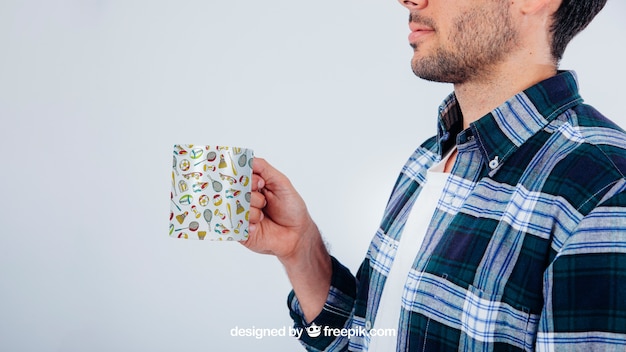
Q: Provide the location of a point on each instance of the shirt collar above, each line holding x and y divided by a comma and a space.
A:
503, 130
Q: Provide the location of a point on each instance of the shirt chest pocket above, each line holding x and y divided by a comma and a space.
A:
482, 319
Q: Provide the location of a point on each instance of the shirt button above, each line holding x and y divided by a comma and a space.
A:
368, 325
494, 163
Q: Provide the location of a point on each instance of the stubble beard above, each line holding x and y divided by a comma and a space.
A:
481, 39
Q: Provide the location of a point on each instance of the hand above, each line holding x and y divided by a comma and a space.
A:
280, 223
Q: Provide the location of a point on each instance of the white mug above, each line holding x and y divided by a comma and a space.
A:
210, 197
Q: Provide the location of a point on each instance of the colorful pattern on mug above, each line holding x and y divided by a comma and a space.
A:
210, 197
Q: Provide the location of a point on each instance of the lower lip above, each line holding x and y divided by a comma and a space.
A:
417, 35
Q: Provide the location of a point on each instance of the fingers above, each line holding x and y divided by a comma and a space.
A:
259, 167
257, 183
257, 200
265, 175
273, 197
257, 203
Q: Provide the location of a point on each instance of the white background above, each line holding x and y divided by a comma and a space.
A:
94, 94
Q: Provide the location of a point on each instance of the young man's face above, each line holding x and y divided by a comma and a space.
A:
457, 41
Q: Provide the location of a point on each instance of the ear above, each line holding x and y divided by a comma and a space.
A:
529, 7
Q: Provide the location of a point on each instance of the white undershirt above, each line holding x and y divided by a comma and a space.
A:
388, 314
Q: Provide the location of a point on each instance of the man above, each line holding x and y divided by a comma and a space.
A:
522, 189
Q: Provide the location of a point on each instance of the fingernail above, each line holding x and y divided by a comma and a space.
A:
261, 184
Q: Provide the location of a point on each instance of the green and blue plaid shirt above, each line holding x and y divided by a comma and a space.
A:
527, 247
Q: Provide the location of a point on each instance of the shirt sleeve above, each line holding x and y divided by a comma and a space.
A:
585, 285
336, 313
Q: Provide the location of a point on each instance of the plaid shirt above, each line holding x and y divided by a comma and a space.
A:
527, 247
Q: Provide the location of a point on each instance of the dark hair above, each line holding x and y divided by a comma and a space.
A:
571, 18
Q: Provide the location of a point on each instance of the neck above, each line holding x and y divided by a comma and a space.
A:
479, 96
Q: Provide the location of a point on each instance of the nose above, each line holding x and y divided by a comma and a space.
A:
413, 4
